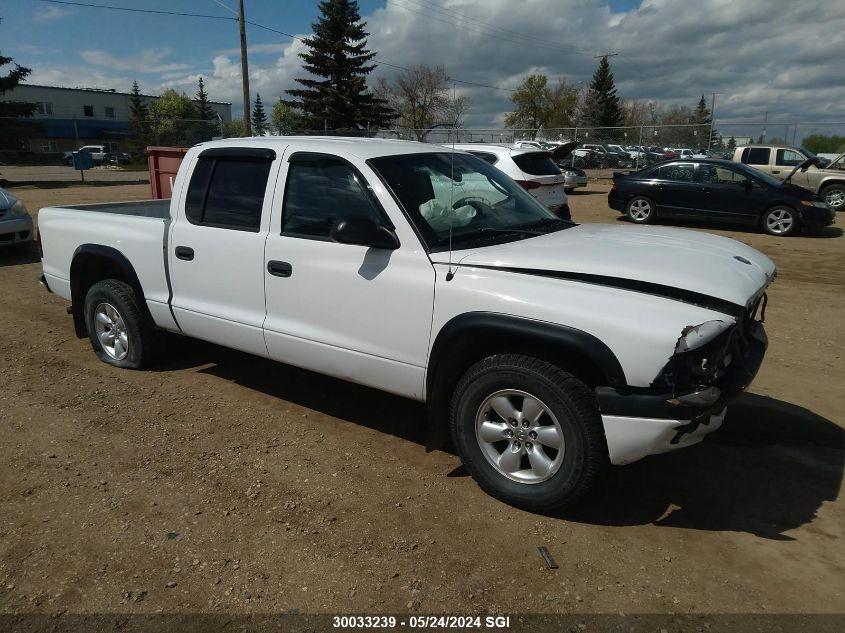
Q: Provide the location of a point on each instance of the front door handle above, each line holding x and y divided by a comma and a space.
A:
279, 269
184, 252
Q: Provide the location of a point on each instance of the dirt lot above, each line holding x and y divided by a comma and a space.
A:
221, 482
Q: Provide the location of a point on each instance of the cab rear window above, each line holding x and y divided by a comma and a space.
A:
755, 156
536, 164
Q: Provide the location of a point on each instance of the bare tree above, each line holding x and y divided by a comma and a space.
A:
423, 98
539, 105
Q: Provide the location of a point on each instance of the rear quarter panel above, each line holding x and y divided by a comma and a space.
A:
139, 239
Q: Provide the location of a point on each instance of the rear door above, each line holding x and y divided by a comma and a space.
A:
538, 167
216, 247
357, 313
674, 190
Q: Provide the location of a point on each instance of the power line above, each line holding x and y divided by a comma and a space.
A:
134, 10
376, 61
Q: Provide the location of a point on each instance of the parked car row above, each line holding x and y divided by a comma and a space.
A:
100, 155
720, 191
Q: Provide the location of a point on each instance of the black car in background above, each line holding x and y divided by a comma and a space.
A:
718, 191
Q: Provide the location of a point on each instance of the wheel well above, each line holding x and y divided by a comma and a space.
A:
477, 336
828, 183
92, 263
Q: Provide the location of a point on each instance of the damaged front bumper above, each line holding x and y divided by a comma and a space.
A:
682, 406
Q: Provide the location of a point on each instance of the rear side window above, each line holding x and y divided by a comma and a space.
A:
677, 172
227, 192
755, 155
321, 190
536, 164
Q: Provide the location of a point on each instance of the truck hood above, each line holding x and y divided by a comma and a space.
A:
686, 265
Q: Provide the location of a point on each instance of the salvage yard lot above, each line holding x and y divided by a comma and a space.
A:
223, 482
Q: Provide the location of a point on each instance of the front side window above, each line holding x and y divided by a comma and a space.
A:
450, 193
718, 175
227, 192
677, 172
536, 164
322, 190
789, 158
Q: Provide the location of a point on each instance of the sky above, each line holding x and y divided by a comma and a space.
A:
780, 59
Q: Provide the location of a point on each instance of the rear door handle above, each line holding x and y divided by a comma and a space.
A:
184, 252
279, 269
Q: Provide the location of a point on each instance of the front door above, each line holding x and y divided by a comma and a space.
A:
357, 313
674, 190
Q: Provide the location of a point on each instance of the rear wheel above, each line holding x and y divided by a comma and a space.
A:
640, 210
529, 433
117, 327
781, 221
834, 196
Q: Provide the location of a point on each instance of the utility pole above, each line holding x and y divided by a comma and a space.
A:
244, 68
765, 124
712, 121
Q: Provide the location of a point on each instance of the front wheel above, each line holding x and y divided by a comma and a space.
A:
780, 221
640, 210
117, 327
834, 196
529, 433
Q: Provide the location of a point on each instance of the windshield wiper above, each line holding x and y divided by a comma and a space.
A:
487, 231
547, 222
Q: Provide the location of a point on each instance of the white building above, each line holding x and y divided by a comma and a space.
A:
94, 116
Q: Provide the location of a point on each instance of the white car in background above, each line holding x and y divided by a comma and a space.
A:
15, 221
532, 168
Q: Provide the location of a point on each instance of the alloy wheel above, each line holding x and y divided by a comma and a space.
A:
640, 209
520, 436
111, 331
780, 221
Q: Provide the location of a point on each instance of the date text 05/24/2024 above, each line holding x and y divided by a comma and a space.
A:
421, 622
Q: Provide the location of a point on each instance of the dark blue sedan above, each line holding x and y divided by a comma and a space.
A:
718, 191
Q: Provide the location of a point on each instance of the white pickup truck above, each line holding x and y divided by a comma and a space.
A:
549, 349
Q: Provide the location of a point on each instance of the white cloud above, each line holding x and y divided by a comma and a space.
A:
51, 13
775, 56
145, 61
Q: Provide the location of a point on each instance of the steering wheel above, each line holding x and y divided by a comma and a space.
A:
476, 203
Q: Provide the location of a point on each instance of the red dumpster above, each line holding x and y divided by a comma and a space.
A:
163, 163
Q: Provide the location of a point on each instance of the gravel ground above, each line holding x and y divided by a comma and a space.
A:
220, 482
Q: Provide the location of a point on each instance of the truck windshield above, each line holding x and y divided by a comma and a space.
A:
442, 190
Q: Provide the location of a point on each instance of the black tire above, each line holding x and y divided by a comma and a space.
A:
774, 221
569, 190
838, 191
568, 399
641, 210
142, 337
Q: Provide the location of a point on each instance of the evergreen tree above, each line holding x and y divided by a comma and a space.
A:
704, 119
731, 146
337, 57
12, 133
207, 125
259, 117
605, 109
140, 134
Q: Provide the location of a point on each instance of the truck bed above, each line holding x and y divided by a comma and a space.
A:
143, 208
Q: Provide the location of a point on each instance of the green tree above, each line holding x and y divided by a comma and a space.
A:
539, 105
140, 135
731, 146
338, 59
259, 117
825, 144
13, 133
284, 119
207, 126
703, 118
171, 116
234, 128
602, 102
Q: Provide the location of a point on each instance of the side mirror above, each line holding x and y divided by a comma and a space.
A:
364, 232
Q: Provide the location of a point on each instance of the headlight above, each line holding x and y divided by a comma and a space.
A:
815, 203
695, 337
18, 209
